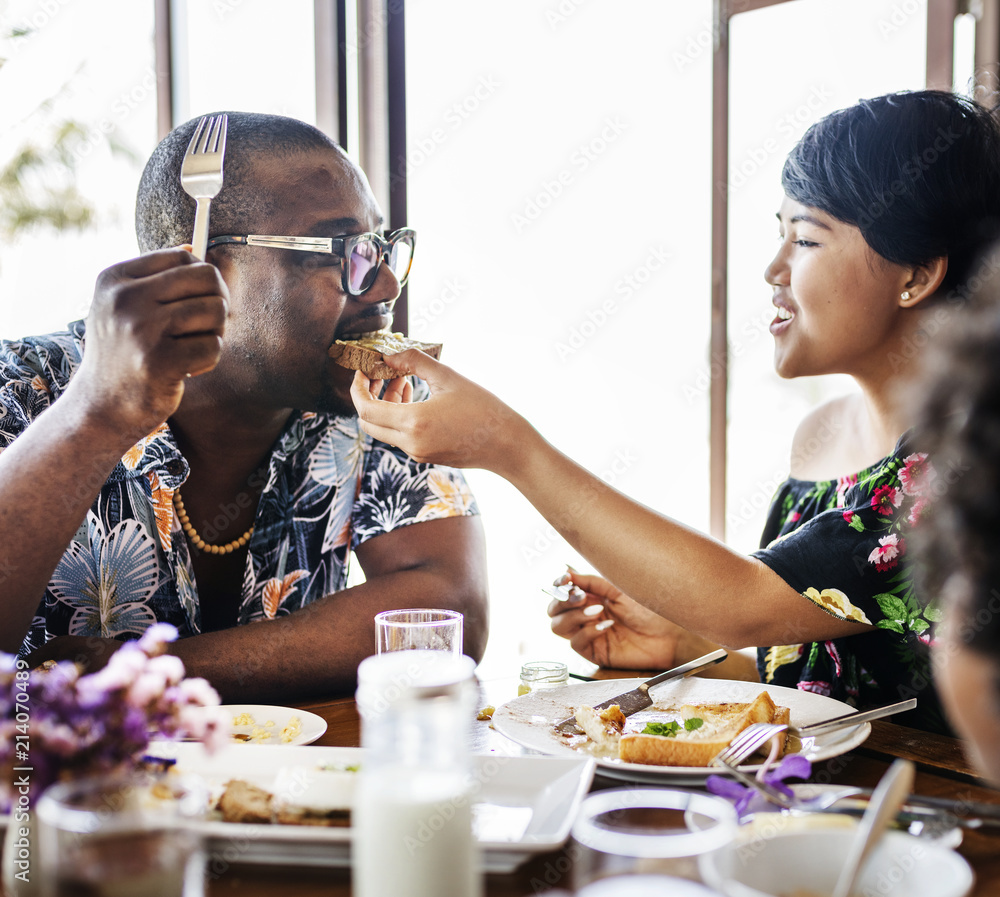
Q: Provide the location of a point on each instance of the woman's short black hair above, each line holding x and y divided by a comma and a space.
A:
917, 172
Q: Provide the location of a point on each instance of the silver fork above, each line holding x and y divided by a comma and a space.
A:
201, 173
748, 741
754, 736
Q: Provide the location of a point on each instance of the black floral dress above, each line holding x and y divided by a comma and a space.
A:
843, 545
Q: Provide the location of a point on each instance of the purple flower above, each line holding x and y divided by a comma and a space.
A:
73, 725
154, 640
747, 799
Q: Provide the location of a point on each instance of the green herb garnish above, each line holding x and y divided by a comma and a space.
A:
670, 730
667, 730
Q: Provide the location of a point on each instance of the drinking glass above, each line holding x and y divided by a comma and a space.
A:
419, 629
123, 835
639, 841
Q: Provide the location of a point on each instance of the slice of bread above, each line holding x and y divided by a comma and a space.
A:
365, 354
721, 724
306, 796
243, 802
301, 796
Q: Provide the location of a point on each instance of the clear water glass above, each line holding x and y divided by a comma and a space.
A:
419, 629
123, 835
631, 835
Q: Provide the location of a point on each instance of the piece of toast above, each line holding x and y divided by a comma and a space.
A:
365, 354
243, 802
302, 796
722, 723
306, 796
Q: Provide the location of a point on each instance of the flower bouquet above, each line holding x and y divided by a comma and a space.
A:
56, 724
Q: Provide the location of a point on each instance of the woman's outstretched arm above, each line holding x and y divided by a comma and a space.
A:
681, 574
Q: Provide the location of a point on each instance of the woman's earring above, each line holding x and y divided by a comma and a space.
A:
905, 295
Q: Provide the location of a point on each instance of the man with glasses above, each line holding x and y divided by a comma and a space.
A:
199, 461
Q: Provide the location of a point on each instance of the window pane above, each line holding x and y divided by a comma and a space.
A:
251, 55
567, 147
791, 64
78, 96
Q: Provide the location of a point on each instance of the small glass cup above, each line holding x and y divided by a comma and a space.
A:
123, 835
419, 629
541, 674
637, 835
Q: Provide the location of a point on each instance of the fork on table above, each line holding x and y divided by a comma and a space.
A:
201, 173
746, 743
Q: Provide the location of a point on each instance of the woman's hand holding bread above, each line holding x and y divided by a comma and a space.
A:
461, 424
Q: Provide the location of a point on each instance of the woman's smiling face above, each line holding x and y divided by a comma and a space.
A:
838, 302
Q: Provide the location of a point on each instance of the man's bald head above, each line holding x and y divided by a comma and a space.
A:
164, 213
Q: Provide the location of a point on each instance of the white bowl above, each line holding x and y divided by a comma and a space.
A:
785, 862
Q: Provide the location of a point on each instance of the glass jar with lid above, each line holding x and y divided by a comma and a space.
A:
539, 674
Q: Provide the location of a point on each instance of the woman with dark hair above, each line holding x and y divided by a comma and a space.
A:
959, 539
886, 206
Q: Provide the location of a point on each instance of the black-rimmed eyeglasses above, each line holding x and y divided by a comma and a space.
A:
360, 254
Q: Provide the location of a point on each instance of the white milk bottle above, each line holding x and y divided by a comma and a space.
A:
412, 813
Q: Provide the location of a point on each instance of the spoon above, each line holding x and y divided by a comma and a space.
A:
885, 802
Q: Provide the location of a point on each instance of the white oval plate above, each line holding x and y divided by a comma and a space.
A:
311, 726
530, 720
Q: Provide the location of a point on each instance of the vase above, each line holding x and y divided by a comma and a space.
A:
21, 865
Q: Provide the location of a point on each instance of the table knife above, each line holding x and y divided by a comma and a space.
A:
917, 807
852, 719
638, 698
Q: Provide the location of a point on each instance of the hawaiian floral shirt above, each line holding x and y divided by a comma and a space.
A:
329, 487
842, 544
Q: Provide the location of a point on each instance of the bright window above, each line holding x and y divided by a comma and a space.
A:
559, 162
70, 73
559, 165
790, 65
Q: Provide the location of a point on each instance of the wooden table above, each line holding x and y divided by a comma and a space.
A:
942, 770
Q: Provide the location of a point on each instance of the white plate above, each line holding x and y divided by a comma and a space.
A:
312, 726
523, 805
530, 720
